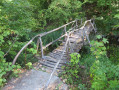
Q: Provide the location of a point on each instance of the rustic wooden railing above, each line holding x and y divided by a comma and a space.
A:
68, 42
66, 35
39, 40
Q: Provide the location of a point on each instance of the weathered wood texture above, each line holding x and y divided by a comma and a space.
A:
41, 35
76, 40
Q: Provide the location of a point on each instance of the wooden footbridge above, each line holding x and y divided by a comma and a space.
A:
72, 41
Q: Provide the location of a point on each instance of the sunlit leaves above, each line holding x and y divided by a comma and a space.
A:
102, 71
29, 65
99, 36
75, 58
98, 49
117, 16
72, 69
105, 40
64, 10
15, 20
4, 68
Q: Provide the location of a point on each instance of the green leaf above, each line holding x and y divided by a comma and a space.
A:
105, 40
117, 16
98, 36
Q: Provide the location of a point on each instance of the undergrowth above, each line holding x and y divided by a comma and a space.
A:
98, 72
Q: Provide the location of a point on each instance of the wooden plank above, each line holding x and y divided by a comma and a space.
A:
54, 62
50, 58
56, 53
56, 57
48, 65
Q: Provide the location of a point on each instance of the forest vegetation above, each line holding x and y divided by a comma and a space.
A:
20, 20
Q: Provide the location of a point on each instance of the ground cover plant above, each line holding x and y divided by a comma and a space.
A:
100, 71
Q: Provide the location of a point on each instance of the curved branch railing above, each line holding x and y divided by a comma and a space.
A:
45, 33
67, 33
40, 40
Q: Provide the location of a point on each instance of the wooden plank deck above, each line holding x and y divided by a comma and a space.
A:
76, 42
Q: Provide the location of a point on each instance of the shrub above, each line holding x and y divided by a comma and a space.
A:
72, 70
103, 72
5, 67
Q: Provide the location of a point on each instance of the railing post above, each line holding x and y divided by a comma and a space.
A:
38, 44
87, 38
83, 36
41, 46
81, 21
65, 32
94, 25
65, 29
67, 48
76, 24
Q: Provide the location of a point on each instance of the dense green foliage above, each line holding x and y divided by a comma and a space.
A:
71, 73
6, 67
105, 12
20, 20
103, 72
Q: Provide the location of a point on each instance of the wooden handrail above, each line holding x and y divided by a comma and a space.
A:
45, 33
39, 35
53, 41
58, 38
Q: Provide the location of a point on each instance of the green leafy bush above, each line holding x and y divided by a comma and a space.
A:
72, 70
113, 53
104, 74
29, 65
5, 67
15, 26
98, 47
104, 12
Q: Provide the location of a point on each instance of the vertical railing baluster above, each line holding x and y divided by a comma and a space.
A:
41, 46
81, 21
65, 29
94, 25
65, 32
87, 38
37, 45
76, 24
83, 36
